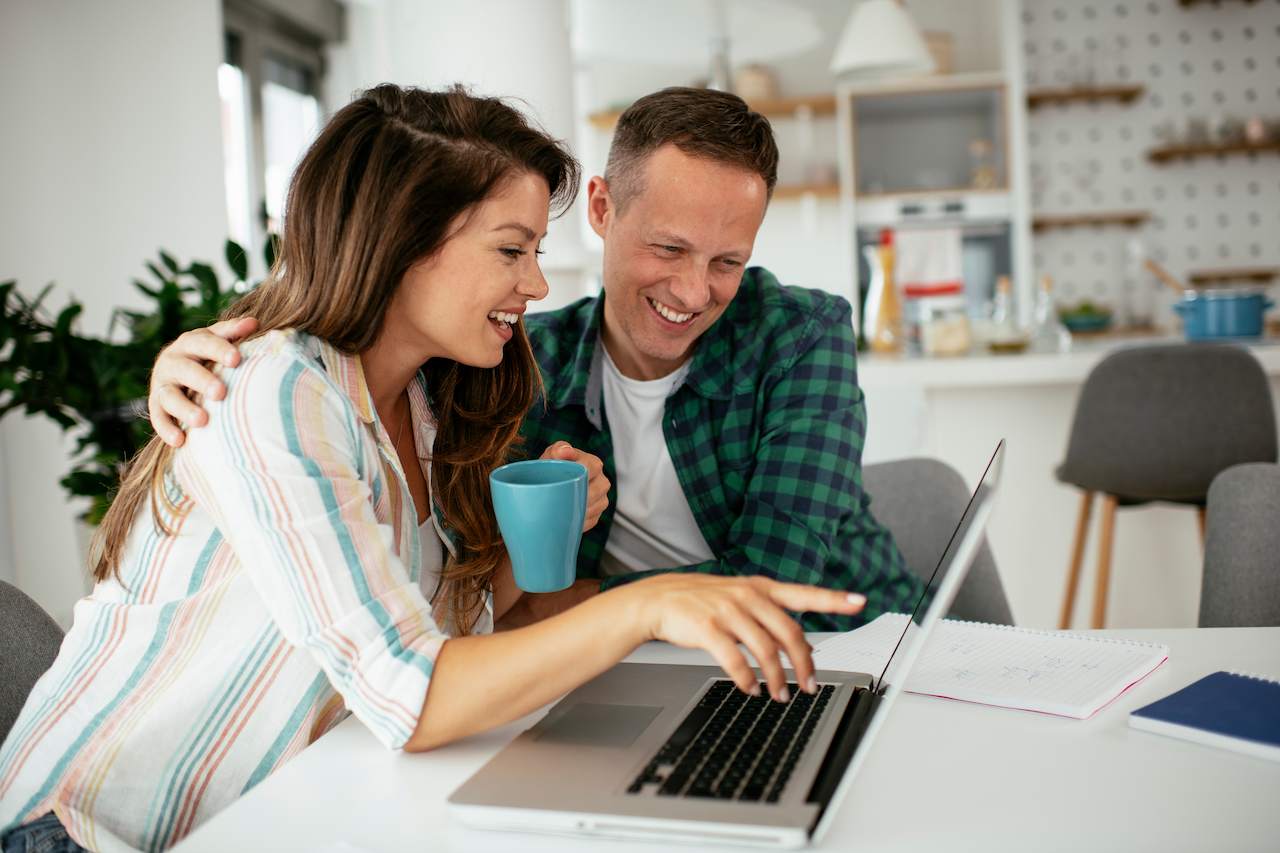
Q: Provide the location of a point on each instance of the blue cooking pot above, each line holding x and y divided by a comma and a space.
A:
1235, 312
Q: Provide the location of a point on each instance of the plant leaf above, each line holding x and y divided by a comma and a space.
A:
62, 328
237, 260
168, 261
270, 249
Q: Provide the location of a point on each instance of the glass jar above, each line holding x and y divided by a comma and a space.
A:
944, 326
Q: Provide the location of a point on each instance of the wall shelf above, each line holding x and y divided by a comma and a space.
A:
907, 195
1253, 275
1187, 3
819, 105
1098, 219
1186, 152
790, 191
1124, 94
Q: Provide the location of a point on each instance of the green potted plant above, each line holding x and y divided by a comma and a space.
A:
98, 386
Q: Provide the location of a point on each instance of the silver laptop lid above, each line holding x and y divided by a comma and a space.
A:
950, 572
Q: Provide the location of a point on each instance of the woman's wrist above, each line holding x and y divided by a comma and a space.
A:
637, 609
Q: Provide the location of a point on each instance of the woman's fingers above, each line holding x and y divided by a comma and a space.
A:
799, 598
762, 645
597, 483
790, 636
560, 450
730, 658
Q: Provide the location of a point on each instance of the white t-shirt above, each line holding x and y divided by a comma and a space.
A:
653, 527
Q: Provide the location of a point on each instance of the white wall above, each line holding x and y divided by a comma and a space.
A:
515, 48
1204, 62
110, 150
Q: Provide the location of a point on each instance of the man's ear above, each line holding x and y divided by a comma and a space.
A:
600, 207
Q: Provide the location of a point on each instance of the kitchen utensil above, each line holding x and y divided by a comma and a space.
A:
1165, 276
1223, 313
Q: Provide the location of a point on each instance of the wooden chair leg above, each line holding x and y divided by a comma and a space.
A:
1077, 557
1109, 504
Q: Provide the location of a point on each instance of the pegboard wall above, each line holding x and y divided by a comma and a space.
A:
1209, 61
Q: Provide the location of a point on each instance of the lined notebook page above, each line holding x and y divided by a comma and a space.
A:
1052, 672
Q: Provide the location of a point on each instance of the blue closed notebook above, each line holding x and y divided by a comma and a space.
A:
1227, 710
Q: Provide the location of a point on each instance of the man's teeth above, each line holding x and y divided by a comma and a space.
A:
503, 317
668, 313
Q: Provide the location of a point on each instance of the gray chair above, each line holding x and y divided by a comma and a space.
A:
30, 640
920, 501
1241, 584
1158, 423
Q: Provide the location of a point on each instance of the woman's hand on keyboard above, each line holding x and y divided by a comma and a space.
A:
717, 613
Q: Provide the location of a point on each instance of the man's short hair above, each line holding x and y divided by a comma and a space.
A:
700, 122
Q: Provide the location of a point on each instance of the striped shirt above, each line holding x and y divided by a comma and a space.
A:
288, 593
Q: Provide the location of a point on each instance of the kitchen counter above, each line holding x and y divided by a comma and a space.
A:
985, 370
955, 409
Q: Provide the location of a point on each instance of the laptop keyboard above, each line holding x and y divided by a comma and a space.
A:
732, 746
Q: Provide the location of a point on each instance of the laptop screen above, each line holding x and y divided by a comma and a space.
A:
967, 527
949, 572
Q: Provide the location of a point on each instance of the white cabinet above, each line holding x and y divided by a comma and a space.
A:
944, 151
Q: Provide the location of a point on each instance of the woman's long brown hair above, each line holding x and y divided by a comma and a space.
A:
375, 194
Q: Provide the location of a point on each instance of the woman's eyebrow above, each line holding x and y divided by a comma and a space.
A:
523, 229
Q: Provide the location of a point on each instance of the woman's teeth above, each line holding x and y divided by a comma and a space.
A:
673, 316
503, 317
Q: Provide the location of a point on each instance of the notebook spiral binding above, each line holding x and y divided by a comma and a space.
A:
1254, 676
1040, 632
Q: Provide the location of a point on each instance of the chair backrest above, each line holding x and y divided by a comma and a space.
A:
1241, 585
920, 501
1160, 422
30, 640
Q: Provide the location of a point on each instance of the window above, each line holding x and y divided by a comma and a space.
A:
269, 88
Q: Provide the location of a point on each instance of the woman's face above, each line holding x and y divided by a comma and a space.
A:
462, 301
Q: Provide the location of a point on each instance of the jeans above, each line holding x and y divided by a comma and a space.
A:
43, 835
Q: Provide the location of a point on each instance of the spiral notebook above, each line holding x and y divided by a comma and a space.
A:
1229, 710
1070, 675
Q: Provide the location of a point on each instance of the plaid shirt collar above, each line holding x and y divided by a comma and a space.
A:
580, 381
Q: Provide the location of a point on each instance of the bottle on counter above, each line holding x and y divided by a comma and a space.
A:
1003, 333
883, 322
1047, 332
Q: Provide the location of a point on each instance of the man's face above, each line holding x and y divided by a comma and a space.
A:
674, 257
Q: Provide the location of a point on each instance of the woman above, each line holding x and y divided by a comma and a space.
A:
327, 542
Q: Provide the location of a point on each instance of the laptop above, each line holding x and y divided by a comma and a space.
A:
671, 752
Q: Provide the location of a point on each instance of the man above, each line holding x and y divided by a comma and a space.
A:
725, 406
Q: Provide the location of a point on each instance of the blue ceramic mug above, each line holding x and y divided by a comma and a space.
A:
541, 505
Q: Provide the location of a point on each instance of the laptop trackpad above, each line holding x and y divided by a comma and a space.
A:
593, 724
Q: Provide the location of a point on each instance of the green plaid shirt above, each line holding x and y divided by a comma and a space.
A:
766, 435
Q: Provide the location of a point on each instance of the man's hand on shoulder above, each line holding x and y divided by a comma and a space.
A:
182, 374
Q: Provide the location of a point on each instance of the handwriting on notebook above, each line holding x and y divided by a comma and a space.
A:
1057, 673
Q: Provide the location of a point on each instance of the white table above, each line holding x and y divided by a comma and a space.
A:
943, 774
